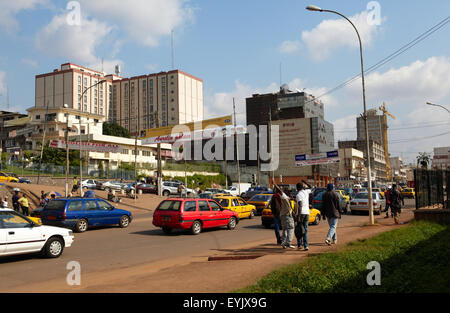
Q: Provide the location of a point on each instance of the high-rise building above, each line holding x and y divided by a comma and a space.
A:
441, 158
375, 126
130, 102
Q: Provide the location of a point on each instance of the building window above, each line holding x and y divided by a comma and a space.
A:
38, 117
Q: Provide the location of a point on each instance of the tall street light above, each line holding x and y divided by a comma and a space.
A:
369, 174
438, 105
81, 162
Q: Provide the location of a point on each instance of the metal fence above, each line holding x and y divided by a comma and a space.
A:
429, 187
60, 171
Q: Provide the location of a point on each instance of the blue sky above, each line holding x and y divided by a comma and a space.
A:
237, 47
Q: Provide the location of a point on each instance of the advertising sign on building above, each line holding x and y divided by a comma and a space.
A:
85, 146
317, 158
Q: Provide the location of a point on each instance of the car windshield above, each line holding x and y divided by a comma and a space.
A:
365, 195
260, 198
222, 202
170, 205
57, 205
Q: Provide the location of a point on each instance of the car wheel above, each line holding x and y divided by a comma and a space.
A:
81, 226
166, 193
252, 214
196, 228
124, 221
166, 230
232, 223
53, 248
317, 220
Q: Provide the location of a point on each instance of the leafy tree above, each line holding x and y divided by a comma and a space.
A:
423, 159
114, 129
57, 156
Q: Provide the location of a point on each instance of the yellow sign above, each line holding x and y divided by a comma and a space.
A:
193, 126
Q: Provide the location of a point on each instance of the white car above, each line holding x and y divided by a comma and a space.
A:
20, 235
89, 184
233, 191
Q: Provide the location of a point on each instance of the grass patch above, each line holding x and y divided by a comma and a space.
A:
414, 258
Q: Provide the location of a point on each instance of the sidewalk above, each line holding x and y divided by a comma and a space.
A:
196, 274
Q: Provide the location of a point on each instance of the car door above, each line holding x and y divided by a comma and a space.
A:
92, 212
21, 235
205, 213
3, 233
244, 207
216, 214
109, 215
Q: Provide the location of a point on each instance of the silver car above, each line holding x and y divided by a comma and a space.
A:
361, 202
171, 188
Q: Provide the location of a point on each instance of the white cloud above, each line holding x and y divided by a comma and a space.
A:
145, 21
75, 43
418, 82
333, 34
9, 10
289, 47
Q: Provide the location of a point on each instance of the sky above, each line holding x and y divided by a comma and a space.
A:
240, 48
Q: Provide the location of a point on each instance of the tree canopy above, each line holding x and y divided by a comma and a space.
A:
114, 129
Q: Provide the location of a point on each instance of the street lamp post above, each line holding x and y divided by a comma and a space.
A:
438, 105
369, 174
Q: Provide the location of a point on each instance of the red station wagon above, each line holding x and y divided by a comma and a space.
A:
193, 214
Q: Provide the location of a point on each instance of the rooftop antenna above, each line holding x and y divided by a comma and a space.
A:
171, 40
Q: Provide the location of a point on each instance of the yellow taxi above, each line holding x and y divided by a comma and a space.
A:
237, 205
381, 191
35, 220
5, 178
345, 196
267, 216
260, 201
408, 193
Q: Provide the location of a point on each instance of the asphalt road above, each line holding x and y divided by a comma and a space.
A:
108, 248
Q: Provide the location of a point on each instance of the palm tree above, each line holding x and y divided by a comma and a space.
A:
423, 159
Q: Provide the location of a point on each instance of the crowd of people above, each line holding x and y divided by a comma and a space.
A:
21, 202
294, 219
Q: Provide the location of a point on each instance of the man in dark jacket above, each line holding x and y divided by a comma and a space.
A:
396, 199
331, 211
275, 206
15, 200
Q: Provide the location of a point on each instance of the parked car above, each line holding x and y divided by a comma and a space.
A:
378, 190
360, 202
206, 195
408, 193
147, 188
267, 216
112, 185
89, 184
21, 179
344, 195
317, 202
193, 214
81, 213
236, 204
171, 188
20, 235
255, 191
260, 201
6, 178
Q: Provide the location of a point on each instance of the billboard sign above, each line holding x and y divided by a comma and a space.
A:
317, 158
85, 146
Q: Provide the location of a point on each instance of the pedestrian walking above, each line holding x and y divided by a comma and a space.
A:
15, 200
302, 218
275, 207
388, 203
396, 199
4, 203
24, 204
331, 211
287, 219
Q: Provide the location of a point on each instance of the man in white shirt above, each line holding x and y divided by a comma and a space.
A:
302, 218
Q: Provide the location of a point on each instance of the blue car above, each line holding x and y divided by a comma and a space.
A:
81, 213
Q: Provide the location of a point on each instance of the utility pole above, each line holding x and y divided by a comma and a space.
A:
135, 161
43, 143
81, 166
237, 148
67, 153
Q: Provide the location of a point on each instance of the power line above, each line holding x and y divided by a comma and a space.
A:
390, 57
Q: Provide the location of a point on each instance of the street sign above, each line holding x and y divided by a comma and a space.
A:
317, 158
85, 146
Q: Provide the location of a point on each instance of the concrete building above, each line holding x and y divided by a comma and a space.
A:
375, 125
377, 159
130, 102
351, 165
441, 158
398, 171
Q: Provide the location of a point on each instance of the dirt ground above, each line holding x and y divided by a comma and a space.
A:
195, 273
